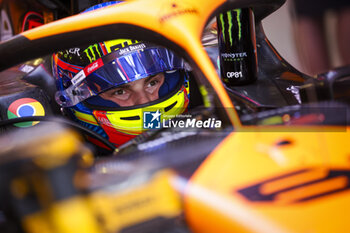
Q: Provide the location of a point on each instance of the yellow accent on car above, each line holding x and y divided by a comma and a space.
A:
154, 198
267, 157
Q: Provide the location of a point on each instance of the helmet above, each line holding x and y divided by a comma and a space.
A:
84, 74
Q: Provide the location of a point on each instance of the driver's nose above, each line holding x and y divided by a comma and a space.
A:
141, 97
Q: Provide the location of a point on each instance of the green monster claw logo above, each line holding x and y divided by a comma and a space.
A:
238, 15
229, 19
223, 25
92, 51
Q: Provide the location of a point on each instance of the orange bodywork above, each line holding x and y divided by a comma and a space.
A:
273, 182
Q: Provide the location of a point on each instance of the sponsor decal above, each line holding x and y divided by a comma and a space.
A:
131, 48
229, 17
93, 67
176, 9
25, 107
234, 55
117, 44
299, 186
75, 51
234, 74
78, 78
81, 75
93, 52
104, 120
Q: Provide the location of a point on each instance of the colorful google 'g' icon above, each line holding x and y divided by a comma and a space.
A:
25, 107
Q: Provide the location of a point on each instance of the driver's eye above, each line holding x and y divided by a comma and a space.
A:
120, 92
153, 83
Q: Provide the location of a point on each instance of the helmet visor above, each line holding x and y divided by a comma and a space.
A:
117, 68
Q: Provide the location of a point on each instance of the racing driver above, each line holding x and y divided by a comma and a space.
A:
109, 86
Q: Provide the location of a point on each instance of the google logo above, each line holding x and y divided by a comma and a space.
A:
25, 107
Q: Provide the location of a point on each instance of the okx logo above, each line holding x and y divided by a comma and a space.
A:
151, 120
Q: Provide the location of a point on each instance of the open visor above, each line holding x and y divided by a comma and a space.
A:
125, 65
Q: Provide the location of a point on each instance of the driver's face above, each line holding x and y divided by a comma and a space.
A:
138, 92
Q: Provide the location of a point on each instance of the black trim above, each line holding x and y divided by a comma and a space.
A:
170, 106
20, 49
132, 118
261, 8
60, 120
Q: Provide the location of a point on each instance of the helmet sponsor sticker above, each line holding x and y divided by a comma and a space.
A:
131, 48
81, 75
75, 51
78, 78
23, 108
93, 67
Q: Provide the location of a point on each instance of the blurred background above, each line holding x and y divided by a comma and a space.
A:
313, 36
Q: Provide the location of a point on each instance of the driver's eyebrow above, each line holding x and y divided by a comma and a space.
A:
127, 85
150, 77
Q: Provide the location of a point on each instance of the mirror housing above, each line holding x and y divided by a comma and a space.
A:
332, 85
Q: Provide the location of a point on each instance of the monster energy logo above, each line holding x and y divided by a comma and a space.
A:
238, 16
230, 24
92, 51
